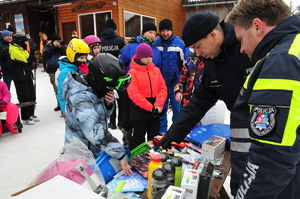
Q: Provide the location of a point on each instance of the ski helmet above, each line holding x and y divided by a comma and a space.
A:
20, 39
92, 40
105, 66
76, 48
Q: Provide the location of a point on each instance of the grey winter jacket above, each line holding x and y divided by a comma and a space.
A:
86, 118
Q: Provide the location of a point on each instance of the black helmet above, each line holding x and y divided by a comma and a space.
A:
20, 39
105, 66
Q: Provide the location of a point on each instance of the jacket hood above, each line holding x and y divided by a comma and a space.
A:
138, 67
74, 83
289, 26
64, 63
109, 33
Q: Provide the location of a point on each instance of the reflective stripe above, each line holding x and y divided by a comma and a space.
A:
240, 146
293, 120
177, 49
294, 50
239, 133
160, 48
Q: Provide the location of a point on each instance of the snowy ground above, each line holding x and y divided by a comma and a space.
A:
26, 154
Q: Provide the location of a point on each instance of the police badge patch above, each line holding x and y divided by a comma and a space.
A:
263, 120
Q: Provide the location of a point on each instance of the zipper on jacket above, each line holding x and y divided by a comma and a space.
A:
149, 82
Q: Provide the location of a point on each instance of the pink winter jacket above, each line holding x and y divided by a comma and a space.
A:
4, 92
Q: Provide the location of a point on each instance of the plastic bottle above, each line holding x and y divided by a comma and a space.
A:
176, 160
159, 183
164, 155
170, 170
155, 161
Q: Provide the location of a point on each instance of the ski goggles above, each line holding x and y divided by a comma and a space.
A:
123, 82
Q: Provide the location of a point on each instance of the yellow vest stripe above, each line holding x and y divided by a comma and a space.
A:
293, 120
294, 50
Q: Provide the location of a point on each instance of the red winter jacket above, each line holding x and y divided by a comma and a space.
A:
146, 82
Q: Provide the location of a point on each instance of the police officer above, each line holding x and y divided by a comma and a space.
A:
224, 74
268, 104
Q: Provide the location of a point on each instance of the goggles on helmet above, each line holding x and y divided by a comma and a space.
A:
123, 82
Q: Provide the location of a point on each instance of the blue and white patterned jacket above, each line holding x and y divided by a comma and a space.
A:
86, 118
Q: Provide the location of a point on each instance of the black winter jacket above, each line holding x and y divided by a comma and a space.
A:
111, 42
222, 79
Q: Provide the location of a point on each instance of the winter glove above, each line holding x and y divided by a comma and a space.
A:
84, 68
155, 113
2, 105
165, 143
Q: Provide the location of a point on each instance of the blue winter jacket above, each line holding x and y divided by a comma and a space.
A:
65, 67
86, 118
173, 54
129, 51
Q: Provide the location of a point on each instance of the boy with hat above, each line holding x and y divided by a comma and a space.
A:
224, 74
125, 56
5, 60
173, 54
148, 93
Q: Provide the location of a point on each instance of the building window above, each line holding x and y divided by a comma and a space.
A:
134, 23
93, 23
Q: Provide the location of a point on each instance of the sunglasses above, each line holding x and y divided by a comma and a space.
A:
123, 82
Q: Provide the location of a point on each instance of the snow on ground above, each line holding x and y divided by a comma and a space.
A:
23, 156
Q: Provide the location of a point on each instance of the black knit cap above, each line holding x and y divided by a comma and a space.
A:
55, 36
149, 26
198, 26
10, 28
165, 24
110, 24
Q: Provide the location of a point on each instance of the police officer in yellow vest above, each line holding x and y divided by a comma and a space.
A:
268, 107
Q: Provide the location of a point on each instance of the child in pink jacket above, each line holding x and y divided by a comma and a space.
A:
11, 109
148, 92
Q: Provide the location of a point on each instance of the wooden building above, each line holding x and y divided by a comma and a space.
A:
88, 16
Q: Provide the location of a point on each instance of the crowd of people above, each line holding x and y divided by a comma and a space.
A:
250, 61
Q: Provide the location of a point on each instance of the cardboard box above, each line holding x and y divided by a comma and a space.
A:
58, 187
173, 192
190, 182
213, 148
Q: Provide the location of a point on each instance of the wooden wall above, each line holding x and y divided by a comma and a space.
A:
171, 9
159, 9
221, 10
65, 13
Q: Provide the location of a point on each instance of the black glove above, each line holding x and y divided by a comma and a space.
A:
155, 113
165, 143
2, 105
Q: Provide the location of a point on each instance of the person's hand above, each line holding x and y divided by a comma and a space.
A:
109, 98
159, 109
165, 143
2, 105
56, 43
178, 96
126, 167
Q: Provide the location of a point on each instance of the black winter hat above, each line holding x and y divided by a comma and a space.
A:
10, 28
149, 26
110, 24
198, 26
54, 37
165, 24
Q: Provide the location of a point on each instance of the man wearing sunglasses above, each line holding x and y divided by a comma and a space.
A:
90, 101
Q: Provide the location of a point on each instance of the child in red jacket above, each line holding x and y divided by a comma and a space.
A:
148, 92
11, 109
